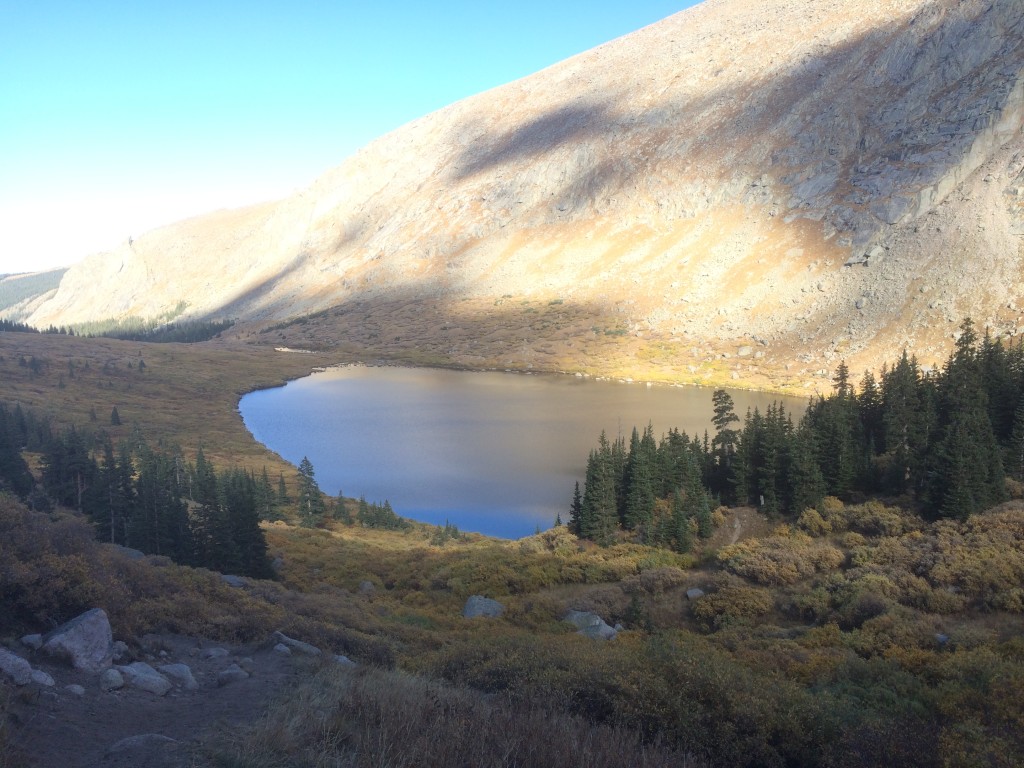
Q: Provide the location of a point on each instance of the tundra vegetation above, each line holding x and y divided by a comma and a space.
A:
857, 626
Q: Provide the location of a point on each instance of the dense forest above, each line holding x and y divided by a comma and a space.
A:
143, 497
152, 499
943, 441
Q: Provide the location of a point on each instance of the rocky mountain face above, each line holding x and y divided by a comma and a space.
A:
766, 187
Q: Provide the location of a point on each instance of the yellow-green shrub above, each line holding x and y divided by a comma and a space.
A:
730, 603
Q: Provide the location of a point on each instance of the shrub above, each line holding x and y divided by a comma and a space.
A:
780, 559
730, 603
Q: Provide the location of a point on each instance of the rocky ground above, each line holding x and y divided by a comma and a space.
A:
88, 726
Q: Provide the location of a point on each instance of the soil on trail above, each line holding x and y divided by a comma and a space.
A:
55, 728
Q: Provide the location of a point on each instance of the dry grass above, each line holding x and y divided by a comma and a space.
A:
368, 717
185, 394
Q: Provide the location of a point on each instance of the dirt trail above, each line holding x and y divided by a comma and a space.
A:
54, 728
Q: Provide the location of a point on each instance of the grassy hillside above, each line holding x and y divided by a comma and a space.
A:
853, 635
17, 288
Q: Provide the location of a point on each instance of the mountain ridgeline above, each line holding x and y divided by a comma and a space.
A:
695, 188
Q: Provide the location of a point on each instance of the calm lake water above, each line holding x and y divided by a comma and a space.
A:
495, 453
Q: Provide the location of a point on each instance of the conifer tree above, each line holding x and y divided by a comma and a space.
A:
311, 502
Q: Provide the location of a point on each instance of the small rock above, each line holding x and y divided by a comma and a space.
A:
283, 649
15, 667
75, 689
180, 674
233, 581
232, 674
478, 605
35, 642
367, 588
215, 653
248, 665
41, 678
111, 680
297, 645
941, 639
119, 650
694, 593
745, 351
84, 641
345, 661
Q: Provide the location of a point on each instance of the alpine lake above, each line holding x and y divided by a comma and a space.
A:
495, 453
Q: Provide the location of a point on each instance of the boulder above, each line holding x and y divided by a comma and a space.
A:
180, 674
367, 588
142, 676
233, 581
215, 653
478, 605
248, 665
128, 552
590, 624
41, 678
297, 645
283, 649
694, 593
84, 642
152, 750
35, 642
14, 667
75, 689
345, 661
232, 674
111, 680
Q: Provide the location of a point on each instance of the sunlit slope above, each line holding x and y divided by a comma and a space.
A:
699, 182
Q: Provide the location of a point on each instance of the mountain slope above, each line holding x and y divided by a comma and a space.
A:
699, 183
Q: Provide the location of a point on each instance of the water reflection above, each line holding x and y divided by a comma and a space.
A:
489, 452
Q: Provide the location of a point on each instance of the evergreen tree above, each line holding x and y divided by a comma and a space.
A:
966, 464
723, 445
599, 516
575, 509
311, 502
340, 511
639, 509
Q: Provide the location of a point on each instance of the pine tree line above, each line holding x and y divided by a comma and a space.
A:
142, 497
940, 439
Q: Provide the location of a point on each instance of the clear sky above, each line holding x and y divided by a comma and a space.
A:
117, 116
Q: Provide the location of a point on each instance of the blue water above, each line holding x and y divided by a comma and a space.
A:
495, 453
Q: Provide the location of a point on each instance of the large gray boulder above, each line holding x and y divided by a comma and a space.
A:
590, 624
142, 676
15, 668
478, 605
84, 642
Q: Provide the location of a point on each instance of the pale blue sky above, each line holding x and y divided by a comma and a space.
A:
117, 116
